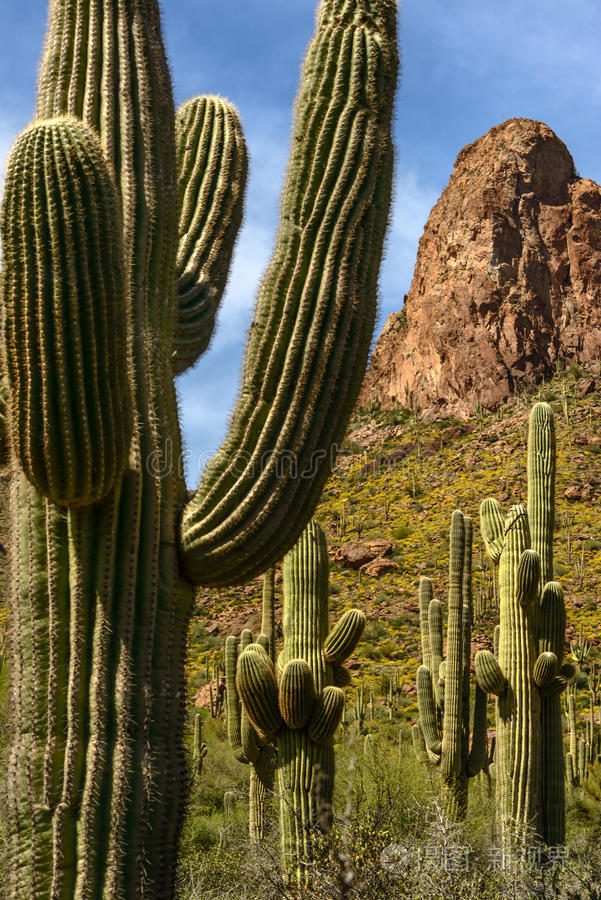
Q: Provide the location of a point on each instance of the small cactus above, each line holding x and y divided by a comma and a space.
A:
200, 748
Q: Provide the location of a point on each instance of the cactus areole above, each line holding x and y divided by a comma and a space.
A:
118, 224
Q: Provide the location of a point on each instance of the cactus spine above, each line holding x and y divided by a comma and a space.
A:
304, 709
443, 687
110, 230
527, 677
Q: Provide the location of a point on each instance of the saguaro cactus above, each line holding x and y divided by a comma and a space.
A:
302, 710
199, 748
117, 225
443, 686
528, 677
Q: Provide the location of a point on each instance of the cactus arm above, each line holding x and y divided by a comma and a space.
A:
326, 714
428, 714
268, 611
541, 487
296, 693
315, 313
489, 674
344, 636
491, 526
435, 641
62, 292
425, 598
478, 754
212, 169
258, 691
234, 712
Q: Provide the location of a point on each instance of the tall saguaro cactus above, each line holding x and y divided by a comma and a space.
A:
303, 708
118, 222
443, 686
528, 677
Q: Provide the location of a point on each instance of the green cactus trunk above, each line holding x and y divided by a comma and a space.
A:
107, 233
443, 687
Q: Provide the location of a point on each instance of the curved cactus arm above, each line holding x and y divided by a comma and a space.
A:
435, 632
552, 620
341, 676
258, 691
212, 169
315, 313
232, 701
66, 323
489, 674
296, 693
425, 598
491, 526
528, 574
428, 714
344, 636
326, 715
478, 755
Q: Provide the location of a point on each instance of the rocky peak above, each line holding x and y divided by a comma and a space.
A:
507, 283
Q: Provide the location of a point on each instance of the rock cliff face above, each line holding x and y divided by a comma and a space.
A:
507, 282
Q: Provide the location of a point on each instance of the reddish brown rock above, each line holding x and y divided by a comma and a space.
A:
507, 281
356, 553
379, 567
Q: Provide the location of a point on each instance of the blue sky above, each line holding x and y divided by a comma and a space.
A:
467, 65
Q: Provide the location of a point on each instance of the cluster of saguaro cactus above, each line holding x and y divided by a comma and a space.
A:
443, 685
526, 675
301, 706
247, 744
118, 223
584, 749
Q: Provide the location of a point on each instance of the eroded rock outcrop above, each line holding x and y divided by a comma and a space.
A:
507, 282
